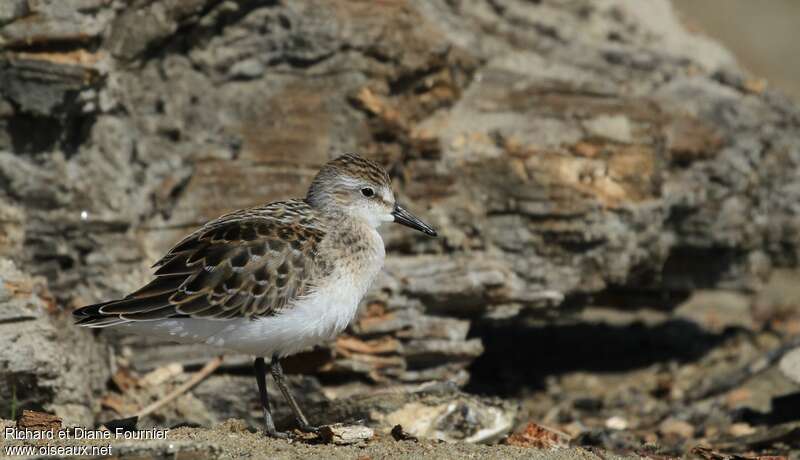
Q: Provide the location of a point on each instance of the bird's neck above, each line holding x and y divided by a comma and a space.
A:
354, 235
342, 223
338, 217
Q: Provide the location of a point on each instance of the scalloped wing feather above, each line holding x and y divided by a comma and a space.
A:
246, 264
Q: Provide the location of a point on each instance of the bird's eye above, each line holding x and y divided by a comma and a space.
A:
367, 192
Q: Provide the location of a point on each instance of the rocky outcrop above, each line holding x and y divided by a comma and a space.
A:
566, 151
44, 362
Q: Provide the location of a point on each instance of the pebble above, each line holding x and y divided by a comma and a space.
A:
741, 429
616, 423
674, 427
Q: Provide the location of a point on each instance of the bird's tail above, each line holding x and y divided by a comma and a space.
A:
90, 316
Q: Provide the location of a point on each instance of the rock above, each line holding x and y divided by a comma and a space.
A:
785, 433
434, 411
343, 435
47, 23
12, 9
778, 300
537, 437
790, 365
708, 454
250, 68
717, 310
616, 128
46, 363
141, 27
616, 423
676, 427
12, 232
741, 429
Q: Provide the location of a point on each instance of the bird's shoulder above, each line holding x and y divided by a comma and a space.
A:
293, 222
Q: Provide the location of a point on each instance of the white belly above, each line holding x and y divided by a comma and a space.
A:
310, 321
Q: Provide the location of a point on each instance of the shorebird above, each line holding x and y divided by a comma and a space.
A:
272, 280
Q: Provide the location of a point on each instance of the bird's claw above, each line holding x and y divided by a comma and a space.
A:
276, 434
306, 428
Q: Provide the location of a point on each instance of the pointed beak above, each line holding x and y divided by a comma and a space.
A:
403, 217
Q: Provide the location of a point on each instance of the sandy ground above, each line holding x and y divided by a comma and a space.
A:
230, 440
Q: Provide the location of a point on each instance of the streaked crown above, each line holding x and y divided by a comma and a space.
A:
341, 180
353, 165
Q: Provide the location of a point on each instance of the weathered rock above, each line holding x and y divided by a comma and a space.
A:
537, 437
790, 365
674, 427
564, 150
12, 9
52, 22
785, 433
45, 364
344, 435
433, 411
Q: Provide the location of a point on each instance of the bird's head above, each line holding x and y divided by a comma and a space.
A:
361, 189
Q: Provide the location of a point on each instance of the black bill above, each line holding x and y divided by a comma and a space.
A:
403, 217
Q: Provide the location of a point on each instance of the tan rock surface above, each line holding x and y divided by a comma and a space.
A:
570, 153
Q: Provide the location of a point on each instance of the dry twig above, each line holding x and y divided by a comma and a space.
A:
210, 367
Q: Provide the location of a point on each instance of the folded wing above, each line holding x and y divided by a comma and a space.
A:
244, 265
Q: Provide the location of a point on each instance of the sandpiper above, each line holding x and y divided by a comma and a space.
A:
273, 280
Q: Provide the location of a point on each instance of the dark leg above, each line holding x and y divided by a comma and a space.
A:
261, 380
277, 374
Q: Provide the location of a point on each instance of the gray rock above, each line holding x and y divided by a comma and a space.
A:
790, 365
45, 22
45, 363
249, 68
12, 9
428, 411
557, 163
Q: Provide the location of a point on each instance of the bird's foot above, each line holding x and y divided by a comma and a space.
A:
306, 428
276, 434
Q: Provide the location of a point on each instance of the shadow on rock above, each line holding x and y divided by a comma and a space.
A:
520, 358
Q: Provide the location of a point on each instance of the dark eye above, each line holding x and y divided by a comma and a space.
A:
367, 192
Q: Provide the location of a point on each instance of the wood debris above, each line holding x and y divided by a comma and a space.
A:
538, 437
38, 421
